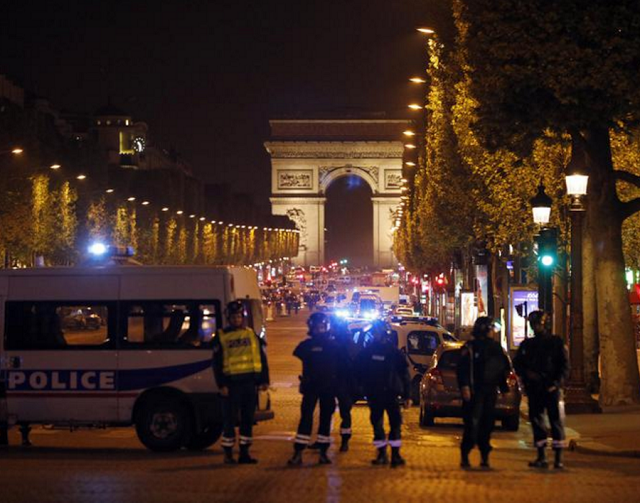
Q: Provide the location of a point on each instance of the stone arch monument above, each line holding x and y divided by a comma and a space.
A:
307, 156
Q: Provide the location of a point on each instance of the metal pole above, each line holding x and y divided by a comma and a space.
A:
578, 400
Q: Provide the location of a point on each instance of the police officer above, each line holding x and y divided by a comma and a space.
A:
240, 366
384, 375
542, 362
347, 381
321, 364
482, 369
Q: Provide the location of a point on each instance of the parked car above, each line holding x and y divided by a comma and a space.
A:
440, 395
418, 340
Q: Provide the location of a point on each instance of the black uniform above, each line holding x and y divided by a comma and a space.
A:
384, 375
483, 367
242, 396
347, 384
542, 362
321, 365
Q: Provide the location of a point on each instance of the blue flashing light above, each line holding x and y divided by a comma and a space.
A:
98, 249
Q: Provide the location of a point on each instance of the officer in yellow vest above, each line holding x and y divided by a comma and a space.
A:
240, 367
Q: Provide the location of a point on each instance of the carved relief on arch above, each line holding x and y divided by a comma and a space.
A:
298, 217
328, 174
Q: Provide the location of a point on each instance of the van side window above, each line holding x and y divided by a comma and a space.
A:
171, 325
55, 325
422, 343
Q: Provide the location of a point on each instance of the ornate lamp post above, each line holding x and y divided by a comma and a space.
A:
577, 400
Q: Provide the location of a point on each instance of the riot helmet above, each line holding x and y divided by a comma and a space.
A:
483, 327
318, 323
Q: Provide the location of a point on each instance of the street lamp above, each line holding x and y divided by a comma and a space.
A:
14, 151
578, 399
541, 207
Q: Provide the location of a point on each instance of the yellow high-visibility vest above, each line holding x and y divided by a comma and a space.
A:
240, 352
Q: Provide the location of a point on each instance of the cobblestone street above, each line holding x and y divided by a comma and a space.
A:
111, 465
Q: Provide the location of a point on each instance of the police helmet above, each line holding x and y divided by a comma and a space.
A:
483, 326
318, 319
379, 327
537, 318
235, 307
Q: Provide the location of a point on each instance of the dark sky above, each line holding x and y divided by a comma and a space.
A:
207, 75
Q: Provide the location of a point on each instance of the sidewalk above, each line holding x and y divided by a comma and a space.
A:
615, 432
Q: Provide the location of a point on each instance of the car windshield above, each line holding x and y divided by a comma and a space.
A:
367, 304
449, 360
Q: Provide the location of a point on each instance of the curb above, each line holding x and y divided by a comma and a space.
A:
596, 449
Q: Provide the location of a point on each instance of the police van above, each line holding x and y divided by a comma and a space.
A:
119, 346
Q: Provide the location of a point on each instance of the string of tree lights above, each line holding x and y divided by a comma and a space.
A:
51, 218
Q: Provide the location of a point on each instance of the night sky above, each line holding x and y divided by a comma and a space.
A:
207, 75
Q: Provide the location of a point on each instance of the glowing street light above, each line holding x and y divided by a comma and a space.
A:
415, 106
131, 199
411, 164
109, 191
17, 151
55, 166
410, 145
145, 203
81, 177
417, 80
426, 31
408, 132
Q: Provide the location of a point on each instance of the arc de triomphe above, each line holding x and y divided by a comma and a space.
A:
307, 156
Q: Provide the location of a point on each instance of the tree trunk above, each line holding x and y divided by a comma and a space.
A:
590, 315
620, 384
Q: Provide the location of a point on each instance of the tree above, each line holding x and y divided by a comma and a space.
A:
569, 67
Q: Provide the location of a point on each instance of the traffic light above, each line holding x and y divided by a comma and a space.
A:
548, 248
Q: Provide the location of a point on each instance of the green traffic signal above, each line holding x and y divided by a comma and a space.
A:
547, 248
547, 260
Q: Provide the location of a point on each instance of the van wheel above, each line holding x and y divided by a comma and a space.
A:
206, 438
164, 424
426, 418
511, 423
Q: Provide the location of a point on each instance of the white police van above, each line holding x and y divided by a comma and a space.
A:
109, 346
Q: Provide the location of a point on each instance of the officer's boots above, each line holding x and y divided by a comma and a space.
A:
296, 459
25, 429
344, 445
382, 458
558, 464
464, 459
245, 458
484, 460
396, 459
228, 456
541, 460
4, 434
324, 459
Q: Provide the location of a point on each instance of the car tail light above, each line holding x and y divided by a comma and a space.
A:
435, 376
512, 380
